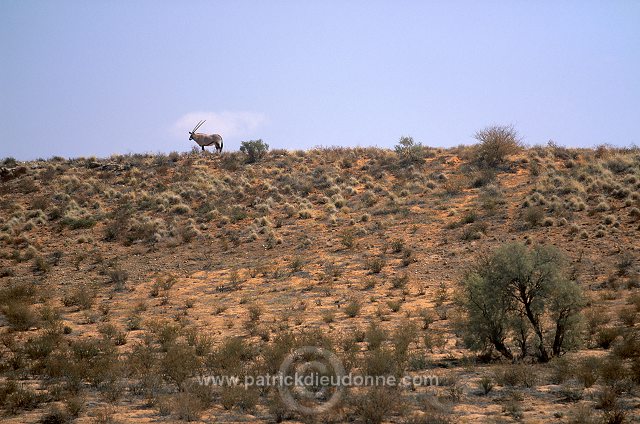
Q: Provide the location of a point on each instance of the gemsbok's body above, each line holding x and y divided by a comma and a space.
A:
206, 139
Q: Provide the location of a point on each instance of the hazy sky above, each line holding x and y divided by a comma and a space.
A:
81, 78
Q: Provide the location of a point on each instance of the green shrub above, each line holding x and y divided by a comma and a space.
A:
296, 264
81, 296
20, 315
41, 346
328, 317
409, 151
254, 149
375, 336
188, 407
118, 277
55, 415
231, 356
402, 337
399, 281
397, 245
515, 375
348, 239
514, 279
255, 311
375, 405
239, 397
427, 316
394, 305
40, 264
375, 265
15, 397
533, 215
628, 316
606, 335
352, 309
625, 263
381, 362
486, 385
496, 143
179, 363
513, 408
9, 162
587, 371
629, 346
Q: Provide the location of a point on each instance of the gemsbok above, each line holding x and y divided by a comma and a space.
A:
206, 139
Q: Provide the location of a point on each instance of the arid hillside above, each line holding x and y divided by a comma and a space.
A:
122, 279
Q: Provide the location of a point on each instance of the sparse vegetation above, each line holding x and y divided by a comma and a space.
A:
127, 277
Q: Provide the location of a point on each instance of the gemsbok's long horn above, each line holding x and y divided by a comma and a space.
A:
199, 125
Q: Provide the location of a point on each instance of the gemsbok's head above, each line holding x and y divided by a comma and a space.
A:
206, 139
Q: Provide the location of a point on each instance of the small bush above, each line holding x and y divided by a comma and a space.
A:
486, 384
606, 335
296, 265
375, 405
55, 416
455, 184
613, 372
348, 239
397, 245
607, 399
17, 398
255, 311
404, 335
406, 257
625, 263
514, 409
474, 231
375, 336
254, 149
427, 316
112, 333
375, 265
629, 346
188, 407
118, 277
496, 143
409, 151
400, 281
352, 309
394, 305
80, 296
40, 264
20, 315
628, 316
239, 397
179, 363
587, 371
533, 216
516, 375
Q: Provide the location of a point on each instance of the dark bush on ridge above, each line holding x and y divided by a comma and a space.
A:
496, 143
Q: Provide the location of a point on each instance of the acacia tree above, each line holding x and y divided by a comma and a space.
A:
516, 292
496, 143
